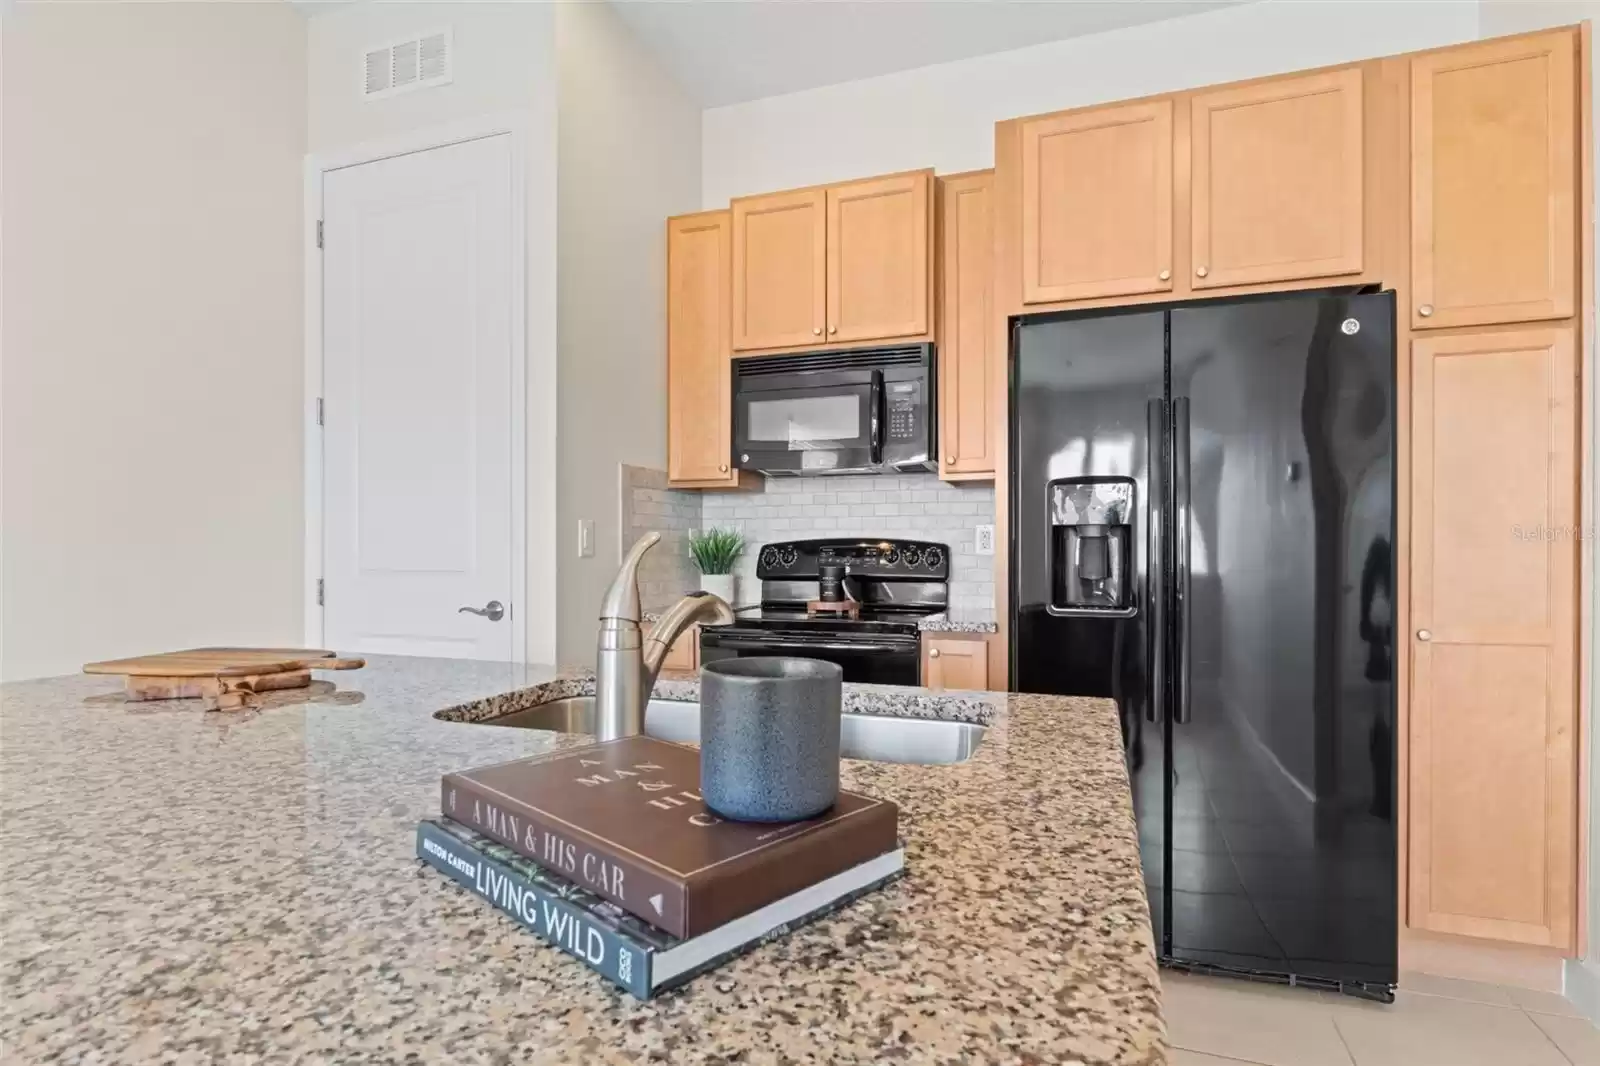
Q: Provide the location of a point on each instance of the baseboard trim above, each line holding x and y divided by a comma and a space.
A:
1583, 987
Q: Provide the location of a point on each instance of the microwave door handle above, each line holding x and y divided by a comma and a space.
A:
875, 403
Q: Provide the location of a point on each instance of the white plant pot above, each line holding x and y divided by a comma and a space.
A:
724, 585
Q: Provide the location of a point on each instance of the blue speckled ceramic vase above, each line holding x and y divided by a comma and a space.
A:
769, 737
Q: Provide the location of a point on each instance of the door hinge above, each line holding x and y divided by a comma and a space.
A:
319, 233
319, 592
319, 411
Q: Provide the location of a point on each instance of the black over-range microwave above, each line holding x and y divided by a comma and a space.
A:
865, 411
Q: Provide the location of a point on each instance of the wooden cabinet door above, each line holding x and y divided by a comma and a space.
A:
1493, 182
699, 361
955, 661
880, 258
966, 372
1097, 203
1276, 180
779, 270
1493, 763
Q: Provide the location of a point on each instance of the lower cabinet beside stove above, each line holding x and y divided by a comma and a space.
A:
955, 660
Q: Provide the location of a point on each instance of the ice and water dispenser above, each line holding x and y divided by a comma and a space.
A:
1092, 546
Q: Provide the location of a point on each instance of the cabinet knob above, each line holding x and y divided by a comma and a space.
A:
833, 329
723, 468
1425, 310
1165, 275
816, 331
933, 653
1424, 634
949, 460
1201, 271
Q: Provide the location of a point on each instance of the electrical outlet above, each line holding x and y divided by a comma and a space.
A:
985, 540
585, 537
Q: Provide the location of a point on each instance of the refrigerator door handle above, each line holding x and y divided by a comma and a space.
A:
1155, 568
1180, 549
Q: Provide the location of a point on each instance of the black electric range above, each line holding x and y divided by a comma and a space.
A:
897, 581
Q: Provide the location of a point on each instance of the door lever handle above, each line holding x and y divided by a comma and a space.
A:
494, 610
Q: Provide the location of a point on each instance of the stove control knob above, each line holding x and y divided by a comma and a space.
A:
769, 557
789, 556
891, 557
932, 558
912, 556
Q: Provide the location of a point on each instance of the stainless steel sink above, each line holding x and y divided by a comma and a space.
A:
877, 738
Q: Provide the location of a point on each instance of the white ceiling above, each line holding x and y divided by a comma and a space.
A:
728, 51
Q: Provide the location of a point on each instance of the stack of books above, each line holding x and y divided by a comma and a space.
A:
608, 853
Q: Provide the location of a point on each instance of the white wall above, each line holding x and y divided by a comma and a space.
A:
628, 156
943, 116
1500, 17
504, 64
150, 352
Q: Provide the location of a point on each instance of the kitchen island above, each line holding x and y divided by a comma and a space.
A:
184, 886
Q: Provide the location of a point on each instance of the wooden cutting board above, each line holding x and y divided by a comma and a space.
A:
226, 677
220, 662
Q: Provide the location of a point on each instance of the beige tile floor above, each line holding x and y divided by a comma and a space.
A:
1434, 1021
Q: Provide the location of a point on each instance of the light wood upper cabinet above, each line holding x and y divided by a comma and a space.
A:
699, 367
966, 328
1493, 182
880, 258
1097, 203
1493, 763
1276, 180
955, 660
780, 270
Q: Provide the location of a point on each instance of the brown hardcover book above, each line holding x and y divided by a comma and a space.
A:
625, 820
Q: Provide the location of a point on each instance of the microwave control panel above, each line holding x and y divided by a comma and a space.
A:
905, 409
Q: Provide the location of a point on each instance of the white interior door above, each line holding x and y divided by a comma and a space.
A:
418, 305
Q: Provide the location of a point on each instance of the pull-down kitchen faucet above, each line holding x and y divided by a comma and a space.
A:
625, 668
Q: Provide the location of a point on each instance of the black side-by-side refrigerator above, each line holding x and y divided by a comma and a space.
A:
1202, 528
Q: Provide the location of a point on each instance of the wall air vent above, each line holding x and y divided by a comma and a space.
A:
419, 62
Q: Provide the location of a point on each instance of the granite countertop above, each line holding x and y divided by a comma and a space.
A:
183, 886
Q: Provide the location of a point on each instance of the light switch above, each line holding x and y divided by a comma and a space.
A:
585, 537
985, 540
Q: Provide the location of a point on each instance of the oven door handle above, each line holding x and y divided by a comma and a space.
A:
760, 644
875, 402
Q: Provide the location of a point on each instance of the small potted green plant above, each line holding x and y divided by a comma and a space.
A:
714, 552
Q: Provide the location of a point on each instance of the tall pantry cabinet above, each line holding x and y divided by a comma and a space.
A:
1494, 826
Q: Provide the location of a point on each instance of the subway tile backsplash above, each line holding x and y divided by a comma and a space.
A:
916, 506
666, 572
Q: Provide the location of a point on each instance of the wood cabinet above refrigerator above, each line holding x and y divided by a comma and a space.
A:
1097, 202
1275, 180
1259, 186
